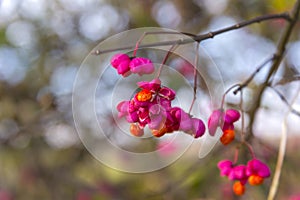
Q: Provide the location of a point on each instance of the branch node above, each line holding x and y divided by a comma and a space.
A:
97, 52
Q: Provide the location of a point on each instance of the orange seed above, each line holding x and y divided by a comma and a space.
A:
238, 188
255, 180
136, 130
227, 137
144, 95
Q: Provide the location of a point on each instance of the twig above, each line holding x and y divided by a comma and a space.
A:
195, 78
279, 56
246, 83
286, 102
295, 77
280, 158
201, 37
224, 95
242, 117
281, 152
288, 80
158, 33
173, 47
259, 19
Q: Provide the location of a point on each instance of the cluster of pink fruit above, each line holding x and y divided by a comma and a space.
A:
126, 65
254, 173
152, 106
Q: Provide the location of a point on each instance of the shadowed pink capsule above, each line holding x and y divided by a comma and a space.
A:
152, 86
167, 93
121, 63
198, 128
223, 120
257, 167
141, 66
185, 121
181, 119
257, 172
214, 121
123, 69
158, 117
239, 173
231, 116
225, 167
123, 107
117, 59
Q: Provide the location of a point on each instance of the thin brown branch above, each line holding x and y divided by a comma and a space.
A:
201, 37
281, 152
173, 47
195, 78
280, 159
286, 102
288, 80
295, 77
225, 93
243, 24
158, 33
279, 56
246, 83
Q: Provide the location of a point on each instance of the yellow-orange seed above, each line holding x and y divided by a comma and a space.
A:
238, 188
136, 130
227, 137
255, 180
161, 132
144, 95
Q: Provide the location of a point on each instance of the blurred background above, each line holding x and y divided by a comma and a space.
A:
42, 45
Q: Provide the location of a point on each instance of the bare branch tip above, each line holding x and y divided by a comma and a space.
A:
236, 91
97, 52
